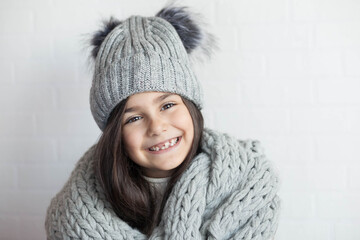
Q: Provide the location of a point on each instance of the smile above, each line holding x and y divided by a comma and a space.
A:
166, 146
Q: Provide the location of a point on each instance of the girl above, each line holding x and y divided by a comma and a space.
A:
156, 173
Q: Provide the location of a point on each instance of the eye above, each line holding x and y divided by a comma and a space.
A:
134, 119
167, 106
164, 107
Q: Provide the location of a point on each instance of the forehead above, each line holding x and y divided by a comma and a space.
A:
148, 97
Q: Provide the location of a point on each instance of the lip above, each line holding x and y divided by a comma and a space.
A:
165, 150
162, 142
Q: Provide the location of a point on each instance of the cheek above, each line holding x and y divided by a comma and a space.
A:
184, 120
131, 139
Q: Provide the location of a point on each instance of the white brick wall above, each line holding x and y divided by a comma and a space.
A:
288, 74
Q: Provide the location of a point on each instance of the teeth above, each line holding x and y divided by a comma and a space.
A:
165, 146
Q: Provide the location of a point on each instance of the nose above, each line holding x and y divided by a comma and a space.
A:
157, 125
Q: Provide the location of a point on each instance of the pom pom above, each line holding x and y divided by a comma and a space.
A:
188, 31
198, 43
100, 35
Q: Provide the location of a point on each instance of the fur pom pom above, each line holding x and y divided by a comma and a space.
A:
198, 43
188, 31
100, 35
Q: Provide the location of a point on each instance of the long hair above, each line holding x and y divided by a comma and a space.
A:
125, 188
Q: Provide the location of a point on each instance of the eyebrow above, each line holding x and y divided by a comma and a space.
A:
156, 100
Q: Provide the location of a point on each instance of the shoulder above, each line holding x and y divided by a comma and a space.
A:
233, 162
243, 181
80, 210
83, 170
73, 199
224, 143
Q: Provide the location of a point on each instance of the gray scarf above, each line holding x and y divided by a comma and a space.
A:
227, 192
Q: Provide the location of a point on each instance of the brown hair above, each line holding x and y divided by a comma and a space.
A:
125, 188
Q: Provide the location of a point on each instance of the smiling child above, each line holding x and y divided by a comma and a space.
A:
156, 172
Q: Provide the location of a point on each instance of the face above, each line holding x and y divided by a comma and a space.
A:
157, 132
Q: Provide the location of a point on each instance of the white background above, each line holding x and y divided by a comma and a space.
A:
287, 73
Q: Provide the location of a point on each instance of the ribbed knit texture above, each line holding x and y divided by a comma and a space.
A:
140, 54
158, 188
228, 192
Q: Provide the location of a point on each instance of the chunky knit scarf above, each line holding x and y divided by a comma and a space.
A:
227, 192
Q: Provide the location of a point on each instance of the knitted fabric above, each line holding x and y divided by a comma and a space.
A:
140, 54
227, 192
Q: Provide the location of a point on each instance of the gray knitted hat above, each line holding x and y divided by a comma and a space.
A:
143, 54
